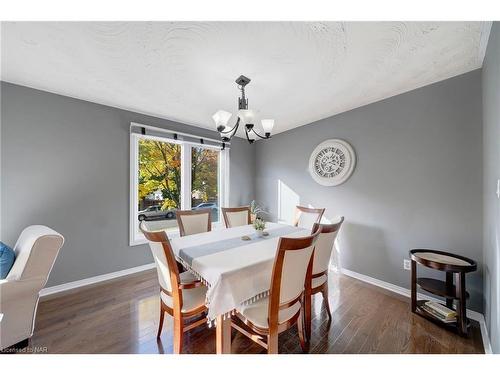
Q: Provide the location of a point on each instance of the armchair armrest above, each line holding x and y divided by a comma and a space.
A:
16, 289
18, 303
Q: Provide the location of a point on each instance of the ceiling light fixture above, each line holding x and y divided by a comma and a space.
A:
245, 116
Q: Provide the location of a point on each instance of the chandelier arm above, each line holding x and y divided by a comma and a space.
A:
258, 135
233, 129
248, 138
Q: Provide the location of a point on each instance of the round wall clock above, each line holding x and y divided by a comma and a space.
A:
332, 162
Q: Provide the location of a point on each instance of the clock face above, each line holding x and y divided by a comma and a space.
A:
329, 162
332, 162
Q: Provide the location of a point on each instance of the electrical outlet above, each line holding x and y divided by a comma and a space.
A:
406, 264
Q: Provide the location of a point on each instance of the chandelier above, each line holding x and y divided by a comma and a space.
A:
245, 116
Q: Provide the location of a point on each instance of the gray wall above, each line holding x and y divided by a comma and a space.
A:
418, 180
65, 164
491, 128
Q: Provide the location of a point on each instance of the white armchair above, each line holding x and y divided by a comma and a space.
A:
36, 251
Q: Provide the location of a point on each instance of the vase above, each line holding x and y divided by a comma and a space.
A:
260, 233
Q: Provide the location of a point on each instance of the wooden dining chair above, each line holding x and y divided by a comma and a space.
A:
162, 225
236, 216
182, 295
263, 320
321, 263
305, 217
194, 221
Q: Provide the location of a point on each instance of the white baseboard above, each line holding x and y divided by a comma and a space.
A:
93, 280
474, 315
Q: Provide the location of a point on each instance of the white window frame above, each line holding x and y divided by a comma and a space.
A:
137, 238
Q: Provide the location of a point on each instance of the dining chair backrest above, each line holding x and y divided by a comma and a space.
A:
324, 245
292, 268
236, 216
305, 217
158, 225
194, 221
166, 266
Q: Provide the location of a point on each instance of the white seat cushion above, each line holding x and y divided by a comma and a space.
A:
317, 281
187, 277
257, 312
191, 298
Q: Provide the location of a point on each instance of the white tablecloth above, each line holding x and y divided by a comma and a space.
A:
236, 271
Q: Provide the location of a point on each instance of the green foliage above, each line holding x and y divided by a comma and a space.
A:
204, 173
256, 209
259, 224
160, 169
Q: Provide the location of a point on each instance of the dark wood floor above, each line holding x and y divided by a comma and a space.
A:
121, 316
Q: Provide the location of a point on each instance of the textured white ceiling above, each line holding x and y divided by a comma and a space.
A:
185, 71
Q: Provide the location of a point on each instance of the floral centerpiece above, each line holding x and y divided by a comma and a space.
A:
259, 226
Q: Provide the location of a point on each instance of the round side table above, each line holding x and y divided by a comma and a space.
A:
455, 266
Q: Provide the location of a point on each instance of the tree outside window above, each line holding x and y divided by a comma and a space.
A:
160, 179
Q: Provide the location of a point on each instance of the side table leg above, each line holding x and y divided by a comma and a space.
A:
461, 306
449, 285
413, 286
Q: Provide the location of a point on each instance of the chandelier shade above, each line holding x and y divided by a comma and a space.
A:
221, 118
246, 115
267, 125
251, 137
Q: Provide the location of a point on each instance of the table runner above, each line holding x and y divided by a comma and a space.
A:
235, 271
188, 254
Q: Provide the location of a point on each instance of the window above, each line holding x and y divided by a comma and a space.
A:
167, 175
205, 180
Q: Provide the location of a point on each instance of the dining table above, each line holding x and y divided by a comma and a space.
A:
236, 265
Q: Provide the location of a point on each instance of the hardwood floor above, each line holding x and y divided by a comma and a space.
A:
121, 316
